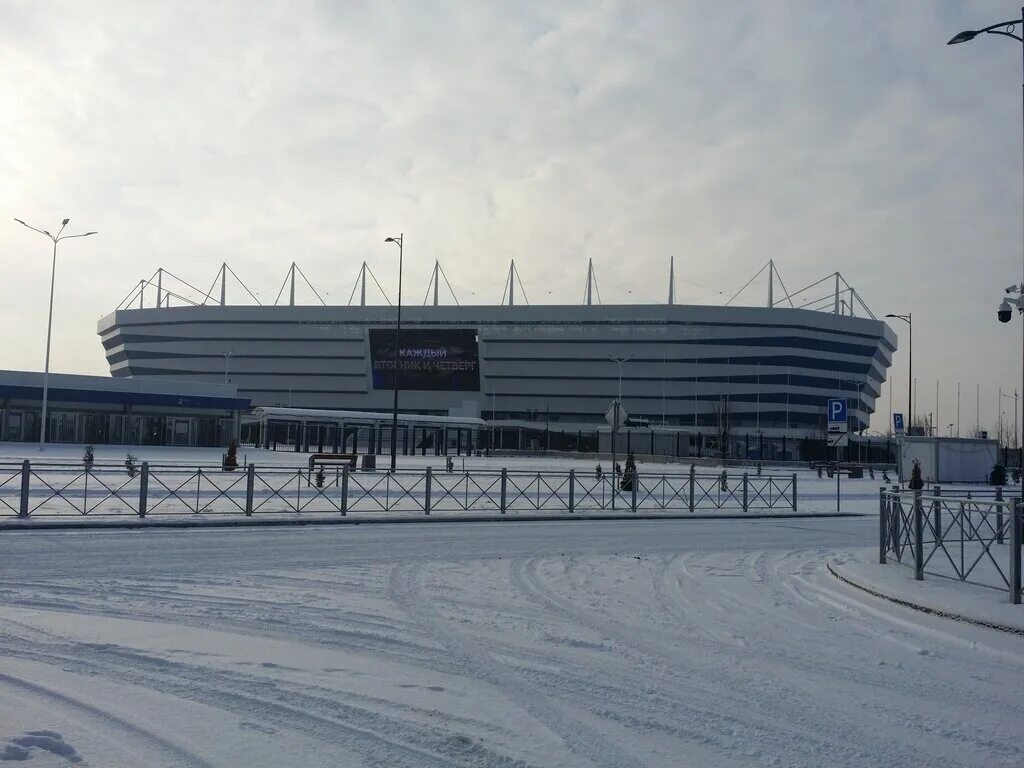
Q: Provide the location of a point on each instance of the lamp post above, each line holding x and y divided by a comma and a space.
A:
1004, 29
49, 320
615, 426
1015, 397
398, 349
227, 357
909, 320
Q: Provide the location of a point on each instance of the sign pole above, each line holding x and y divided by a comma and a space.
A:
838, 441
615, 429
838, 425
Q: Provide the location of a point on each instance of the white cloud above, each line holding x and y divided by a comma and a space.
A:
822, 134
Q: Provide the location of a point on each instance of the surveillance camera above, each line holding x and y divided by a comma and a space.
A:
1005, 312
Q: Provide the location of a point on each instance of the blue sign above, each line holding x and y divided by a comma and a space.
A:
837, 410
897, 423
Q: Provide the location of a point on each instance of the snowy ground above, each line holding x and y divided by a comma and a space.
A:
984, 598
657, 643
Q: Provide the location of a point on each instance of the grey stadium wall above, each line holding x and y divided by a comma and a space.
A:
770, 368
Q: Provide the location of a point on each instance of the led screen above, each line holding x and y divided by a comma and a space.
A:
445, 359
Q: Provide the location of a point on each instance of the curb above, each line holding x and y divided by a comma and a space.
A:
250, 522
923, 608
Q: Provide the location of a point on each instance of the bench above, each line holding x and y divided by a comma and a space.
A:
335, 460
854, 473
332, 460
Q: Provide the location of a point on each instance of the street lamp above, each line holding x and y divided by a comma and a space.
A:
1005, 29
398, 340
1015, 397
227, 356
615, 425
909, 320
49, 320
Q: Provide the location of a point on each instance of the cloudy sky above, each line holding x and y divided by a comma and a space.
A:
826, 135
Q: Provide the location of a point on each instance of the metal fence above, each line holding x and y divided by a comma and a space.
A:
973, 538
33, 490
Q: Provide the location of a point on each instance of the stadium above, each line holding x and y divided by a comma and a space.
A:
705, 372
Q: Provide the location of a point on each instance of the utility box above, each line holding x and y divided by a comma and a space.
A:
948, 459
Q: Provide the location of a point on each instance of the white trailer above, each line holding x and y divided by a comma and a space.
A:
948, 459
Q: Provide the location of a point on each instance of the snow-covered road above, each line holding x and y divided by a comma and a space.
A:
656, 643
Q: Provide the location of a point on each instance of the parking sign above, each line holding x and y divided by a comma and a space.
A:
897, 423
837, 410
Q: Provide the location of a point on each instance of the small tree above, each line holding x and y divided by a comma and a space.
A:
231, 457
819, 470
629, 476
129, 464
998, 475
88, 456
319, 477
916, 481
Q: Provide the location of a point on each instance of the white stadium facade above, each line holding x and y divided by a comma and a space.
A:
692, 376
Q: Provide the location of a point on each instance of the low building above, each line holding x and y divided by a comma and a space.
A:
100, 409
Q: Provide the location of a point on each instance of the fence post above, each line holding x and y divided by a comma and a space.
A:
26, 473
744, 492
693, 482
794, 491
998, 517
882, 525
918, 538
143, 488
937, 514
250, 484
504, 489
344, 490
1015, 544
895, 513
634, 484
426, 494
572, 491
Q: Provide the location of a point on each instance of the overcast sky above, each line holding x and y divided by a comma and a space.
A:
825, 135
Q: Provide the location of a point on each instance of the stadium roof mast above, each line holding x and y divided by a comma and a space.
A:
510, 286
590, 282
434, 285
671, 280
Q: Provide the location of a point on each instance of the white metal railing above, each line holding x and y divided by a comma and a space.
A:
968, 537
37, 489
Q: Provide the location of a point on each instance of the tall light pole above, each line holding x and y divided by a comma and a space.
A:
909, 320
1004, 29
49, 320
1015, 397
227, 357
398, 349
615, 426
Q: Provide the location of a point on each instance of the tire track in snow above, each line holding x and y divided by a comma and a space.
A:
168, 750
823, 659
475, 659
738, 726
324, 717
